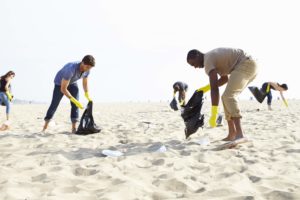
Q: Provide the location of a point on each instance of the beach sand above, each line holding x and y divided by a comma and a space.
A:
59, 165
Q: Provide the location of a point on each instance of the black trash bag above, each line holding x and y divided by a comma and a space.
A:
191, 114
173, 104
87, 125
258, 94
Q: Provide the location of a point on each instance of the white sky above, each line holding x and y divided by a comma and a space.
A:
140, 46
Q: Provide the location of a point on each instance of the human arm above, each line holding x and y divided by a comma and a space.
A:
85, 88
7, 91
64, 89
283, 99
213, 80
221, 81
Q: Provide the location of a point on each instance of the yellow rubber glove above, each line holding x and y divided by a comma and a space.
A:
174, 93
213, 117
204, 89
268, 88
285, 103
9, 96
77, 103
181, 103
87, 96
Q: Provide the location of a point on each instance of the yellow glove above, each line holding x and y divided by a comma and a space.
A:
87, 96
204, 89
181, 103
9, 96
77, 103
174, 94
213, 117
285, 103
268, 88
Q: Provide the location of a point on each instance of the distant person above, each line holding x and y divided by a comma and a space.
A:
65, 83
235, 68
5, 95
181, 88
265, 91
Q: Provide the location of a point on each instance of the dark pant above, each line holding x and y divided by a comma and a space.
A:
269, 98
57, 96
268, 94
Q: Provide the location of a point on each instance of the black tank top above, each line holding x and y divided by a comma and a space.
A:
2, 85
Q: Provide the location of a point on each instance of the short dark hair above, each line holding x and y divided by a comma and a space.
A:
284, 86
89, 60
7, 74
174, 85
192, 54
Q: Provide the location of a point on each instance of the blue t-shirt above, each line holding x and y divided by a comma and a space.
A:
71, 72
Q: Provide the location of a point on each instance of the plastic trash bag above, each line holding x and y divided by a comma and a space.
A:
191, 114
162, 149
173, 104
258, 94
87, 124
111, 153
203, 141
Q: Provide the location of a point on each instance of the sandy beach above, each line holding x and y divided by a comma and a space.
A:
158, 163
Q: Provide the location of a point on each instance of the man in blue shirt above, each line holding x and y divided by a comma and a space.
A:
66, 84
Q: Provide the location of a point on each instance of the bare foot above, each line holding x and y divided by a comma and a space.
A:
230, 137
4, 127
45, 126
239, 136
73, 131
226, 139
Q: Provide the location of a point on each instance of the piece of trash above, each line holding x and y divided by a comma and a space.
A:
203, 141
147, 123
111, 153
173, 104
219, 120
162, 149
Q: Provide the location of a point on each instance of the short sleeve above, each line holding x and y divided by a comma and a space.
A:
208, 65
68, 73
86, 74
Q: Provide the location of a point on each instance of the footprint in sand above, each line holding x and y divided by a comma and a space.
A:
84, 172
281, 195
71, 189
254, 179
158, 162
185, 153
117, 182
55, 169
39, 178
163, 176
200, 190
171, 185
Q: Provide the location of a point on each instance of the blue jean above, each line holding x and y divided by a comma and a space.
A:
57, 96
4, 100
268, 94
269, 98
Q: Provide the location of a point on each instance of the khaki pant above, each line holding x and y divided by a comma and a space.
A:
239, 78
